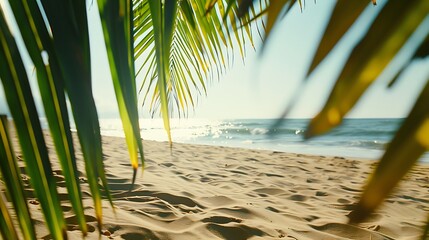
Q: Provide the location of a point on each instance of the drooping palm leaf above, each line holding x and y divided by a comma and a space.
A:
117, 22
392, 28
7, 230
368, 59
11, 176
23, 110
195, 47
421, 53
343, 16
394, 25
273, 14
68, 22
409, 143
37, 42
73, 64
162, 32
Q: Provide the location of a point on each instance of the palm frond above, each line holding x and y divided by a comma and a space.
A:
368, 59
343, 16
421, 53
11, 176
397, 21
409, 143
195, 47
117, 22
7, 229
37, 42
387, 34
68, 22
30, 135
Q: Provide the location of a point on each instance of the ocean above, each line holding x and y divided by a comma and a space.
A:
360, 138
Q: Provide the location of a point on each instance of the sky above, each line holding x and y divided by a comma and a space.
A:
263, 86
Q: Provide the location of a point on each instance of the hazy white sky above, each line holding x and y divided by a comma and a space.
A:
263, 86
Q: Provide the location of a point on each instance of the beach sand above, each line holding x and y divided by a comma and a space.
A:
209, 192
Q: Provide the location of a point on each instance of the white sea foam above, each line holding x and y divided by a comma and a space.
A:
364, 138
259, 131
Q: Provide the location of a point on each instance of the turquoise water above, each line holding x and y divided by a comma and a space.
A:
362, 138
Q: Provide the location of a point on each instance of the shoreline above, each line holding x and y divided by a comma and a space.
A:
339, 156
216, 192
310, 155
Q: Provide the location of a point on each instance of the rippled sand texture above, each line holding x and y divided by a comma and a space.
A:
206, 192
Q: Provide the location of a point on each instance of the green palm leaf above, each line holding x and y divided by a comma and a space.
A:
30, 135
397, 21
7, 229
421, 53
192, 45
68, 22
273, 14
36, 39
409, 143
162, 31
12, 179
118, 34
344, 15
368, 60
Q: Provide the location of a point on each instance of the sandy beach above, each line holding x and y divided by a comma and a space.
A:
208, 192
